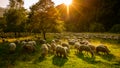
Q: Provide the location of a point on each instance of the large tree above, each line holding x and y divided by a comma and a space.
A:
44, 17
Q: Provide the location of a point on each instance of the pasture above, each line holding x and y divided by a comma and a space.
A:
20, 59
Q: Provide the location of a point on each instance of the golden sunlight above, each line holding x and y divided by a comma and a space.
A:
67, 2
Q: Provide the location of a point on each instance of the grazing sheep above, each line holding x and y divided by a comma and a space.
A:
58, 49
17, 41
66, 45
42, 41
71, 42
103, 49
27, 47
61, 51
77, 45
53, 47
92, 47
87, 49
23, 43
12, 47
84, 42
44, 50
49, 47
32, 43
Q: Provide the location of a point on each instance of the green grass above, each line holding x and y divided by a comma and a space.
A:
21, 59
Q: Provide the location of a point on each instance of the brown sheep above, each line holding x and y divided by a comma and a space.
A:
87, 49
44, 50
103, 49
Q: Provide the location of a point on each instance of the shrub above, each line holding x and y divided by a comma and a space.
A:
115, 28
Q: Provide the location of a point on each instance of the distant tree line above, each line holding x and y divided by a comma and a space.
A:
43, 17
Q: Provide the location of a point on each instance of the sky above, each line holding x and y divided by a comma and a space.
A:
27, 3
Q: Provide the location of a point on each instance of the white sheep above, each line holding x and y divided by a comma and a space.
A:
32, 43
44, 50
12, 47
61, 51
77, 45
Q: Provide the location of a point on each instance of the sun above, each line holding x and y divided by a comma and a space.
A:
67, 2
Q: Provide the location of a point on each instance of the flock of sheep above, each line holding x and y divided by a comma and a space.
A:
61, 47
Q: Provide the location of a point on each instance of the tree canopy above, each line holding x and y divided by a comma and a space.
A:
45, 18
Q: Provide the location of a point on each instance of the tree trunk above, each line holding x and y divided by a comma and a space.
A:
44, 35
15, 34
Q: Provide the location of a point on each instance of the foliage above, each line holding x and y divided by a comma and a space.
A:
115, 28
15, 16
44, 17
96, 27
83, 13
15, 19
2, 24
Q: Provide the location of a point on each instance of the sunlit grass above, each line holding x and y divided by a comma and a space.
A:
74, 60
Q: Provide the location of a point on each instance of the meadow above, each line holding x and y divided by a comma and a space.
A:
21, 59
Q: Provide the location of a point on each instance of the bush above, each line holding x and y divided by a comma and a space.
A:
115, 28
96, 27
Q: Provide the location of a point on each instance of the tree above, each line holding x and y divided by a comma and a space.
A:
44, 17
15, 16
115, 28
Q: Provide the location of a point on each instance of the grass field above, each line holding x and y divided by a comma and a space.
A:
75, 60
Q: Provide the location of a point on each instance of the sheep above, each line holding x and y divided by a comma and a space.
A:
28, 47
12, 47
87, 49
42, 41
77, 45
61, 51
66, 45
23, 43
84, 42
32, 43
71, 42
17, 41
53, 47
49, 47
103, 49
58, 49
92, 47
44, 50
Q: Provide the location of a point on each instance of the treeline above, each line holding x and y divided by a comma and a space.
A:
92, 16
84, 16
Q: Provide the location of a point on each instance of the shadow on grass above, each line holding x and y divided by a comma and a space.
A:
39, 59
59, 61
108, 57
88, 59
10, 59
